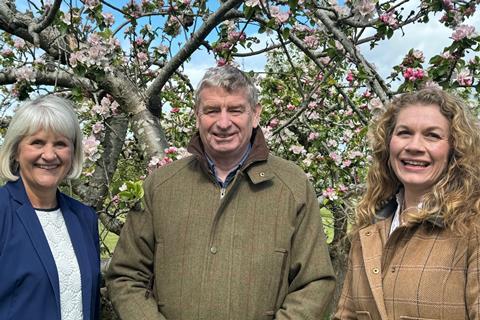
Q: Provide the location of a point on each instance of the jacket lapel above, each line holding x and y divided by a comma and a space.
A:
29, 219
78, 242
372, 247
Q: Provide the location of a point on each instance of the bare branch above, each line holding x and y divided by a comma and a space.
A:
190, 46
47, 18
264, 50
57, 77
375, 80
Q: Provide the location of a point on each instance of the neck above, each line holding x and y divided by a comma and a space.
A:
224, 166
42, 200
412, 199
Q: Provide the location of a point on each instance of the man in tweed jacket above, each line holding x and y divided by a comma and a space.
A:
231, 232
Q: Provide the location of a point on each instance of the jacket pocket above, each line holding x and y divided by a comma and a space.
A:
414, 318
363, 315
280, 254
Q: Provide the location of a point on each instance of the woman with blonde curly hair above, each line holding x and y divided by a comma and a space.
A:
416, 242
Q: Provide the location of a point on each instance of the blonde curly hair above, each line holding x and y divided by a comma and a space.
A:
455, 197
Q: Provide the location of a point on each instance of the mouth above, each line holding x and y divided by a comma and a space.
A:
47, 166
415, 163
223, 135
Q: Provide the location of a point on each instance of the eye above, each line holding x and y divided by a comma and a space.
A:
210, 111
36, 142
434, 135
403, 132
61, 144
236, 111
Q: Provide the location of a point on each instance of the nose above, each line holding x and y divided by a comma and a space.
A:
415, 144
49, 153
224, 121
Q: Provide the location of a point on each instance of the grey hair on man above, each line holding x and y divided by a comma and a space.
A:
229, 78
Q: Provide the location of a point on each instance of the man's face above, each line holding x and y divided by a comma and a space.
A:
225, 121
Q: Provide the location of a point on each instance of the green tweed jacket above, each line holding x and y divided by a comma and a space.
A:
256, 251
422, 272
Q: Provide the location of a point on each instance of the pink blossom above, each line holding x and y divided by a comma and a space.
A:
142, 57
170, 150
335, 157
25, 73
90, 148
108, 18
311, 41
418, 54
19, 43
175, 110
367, 94
280, 16
221, 62
274, 123
114, 107
162, 49
330, 193
448, 5
463, 31
7, 53
139, 41
91, 4
343, 188
234, 36
365, 7
291, 107
350, 77
389, 19
464, 78
346, 163
296, 149
313, 136
98, 127
103, 108
412, 74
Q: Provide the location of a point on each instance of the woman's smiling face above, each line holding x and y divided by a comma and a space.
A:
420, 147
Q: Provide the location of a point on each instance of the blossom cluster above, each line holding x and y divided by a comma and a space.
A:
463, 31
412, 74
98, 54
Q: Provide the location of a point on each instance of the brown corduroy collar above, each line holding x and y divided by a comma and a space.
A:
258, 153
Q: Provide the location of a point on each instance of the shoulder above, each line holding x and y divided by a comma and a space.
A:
78, 207
168, 172
289, 174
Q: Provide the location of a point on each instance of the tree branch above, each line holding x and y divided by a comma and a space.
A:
190, 46
375, 80
52, 78
47, 18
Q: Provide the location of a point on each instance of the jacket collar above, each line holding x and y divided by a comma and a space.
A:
391, 206
259, 153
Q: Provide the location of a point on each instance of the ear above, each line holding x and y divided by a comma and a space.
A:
257, 111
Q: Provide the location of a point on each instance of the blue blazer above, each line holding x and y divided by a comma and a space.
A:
29, 287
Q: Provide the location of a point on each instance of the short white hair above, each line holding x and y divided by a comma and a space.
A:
49, 113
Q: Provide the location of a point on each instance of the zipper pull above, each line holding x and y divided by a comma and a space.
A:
222, 193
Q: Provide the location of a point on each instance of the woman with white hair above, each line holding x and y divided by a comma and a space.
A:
49, 249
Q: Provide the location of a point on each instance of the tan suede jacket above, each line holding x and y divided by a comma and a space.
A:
419, 272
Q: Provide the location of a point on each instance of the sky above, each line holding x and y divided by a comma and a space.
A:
430, 38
